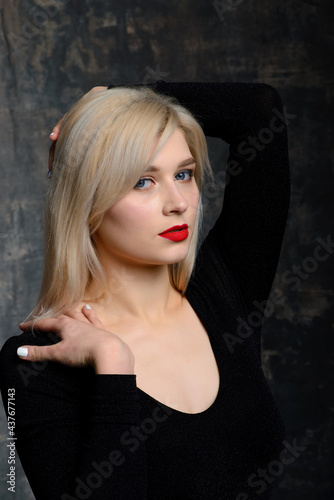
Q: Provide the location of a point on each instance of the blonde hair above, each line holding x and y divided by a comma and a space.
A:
100, 154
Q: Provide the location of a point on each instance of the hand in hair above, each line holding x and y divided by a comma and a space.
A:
84, 341
56, 130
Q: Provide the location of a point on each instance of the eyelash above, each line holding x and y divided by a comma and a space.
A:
190, 172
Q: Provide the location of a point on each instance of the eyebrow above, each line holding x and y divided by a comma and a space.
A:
184, 163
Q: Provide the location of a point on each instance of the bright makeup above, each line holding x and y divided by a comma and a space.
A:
176, 233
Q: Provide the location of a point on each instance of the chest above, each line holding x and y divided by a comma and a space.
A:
175, 363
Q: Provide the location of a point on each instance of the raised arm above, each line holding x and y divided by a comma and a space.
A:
250, 228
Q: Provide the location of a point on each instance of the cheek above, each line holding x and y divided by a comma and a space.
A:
194, 199
131, 216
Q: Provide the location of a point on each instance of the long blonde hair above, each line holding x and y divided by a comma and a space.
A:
100, 154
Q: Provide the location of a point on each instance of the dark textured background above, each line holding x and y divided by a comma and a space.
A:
54, 50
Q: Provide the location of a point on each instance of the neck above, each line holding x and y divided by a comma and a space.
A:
136, 292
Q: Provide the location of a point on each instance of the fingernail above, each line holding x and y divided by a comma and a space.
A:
52, 133
22, 351
87, 306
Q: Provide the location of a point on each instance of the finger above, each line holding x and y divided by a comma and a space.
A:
56, 129
91, 315
25, 326
97, 89
54, 136
36, 352
77, 315
54, 325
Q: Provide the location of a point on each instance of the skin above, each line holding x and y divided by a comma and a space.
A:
128, 240
79, 331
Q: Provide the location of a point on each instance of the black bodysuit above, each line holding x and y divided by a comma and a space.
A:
82, 435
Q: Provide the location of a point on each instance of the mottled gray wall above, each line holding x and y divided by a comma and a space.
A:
54, 50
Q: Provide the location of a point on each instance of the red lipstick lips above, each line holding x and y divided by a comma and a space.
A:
176, 233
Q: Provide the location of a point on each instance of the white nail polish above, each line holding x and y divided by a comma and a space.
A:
52, 133
87, 306
22, 351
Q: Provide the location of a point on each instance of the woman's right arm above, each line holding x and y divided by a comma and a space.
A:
73, 426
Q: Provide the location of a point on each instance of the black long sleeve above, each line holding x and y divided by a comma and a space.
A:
69, 421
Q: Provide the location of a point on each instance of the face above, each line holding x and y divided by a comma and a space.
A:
166, 195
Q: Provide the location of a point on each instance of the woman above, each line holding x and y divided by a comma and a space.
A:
143, 378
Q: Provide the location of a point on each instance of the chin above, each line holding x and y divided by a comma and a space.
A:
179, 258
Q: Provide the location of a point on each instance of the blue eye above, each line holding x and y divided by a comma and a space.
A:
141, 183
143, 180
189, 172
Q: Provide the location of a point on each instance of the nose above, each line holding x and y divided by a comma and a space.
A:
174, 199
